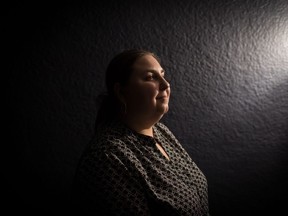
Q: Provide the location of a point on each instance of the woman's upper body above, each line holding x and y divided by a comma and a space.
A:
135, 165
124, 173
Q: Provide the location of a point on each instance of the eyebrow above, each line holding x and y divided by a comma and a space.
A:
154, 71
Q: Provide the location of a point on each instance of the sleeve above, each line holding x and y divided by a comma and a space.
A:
106, 187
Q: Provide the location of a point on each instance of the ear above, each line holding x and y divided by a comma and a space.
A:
118, 89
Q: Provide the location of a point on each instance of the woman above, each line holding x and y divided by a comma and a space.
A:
135, 165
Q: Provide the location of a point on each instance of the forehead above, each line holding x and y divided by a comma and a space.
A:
147, 62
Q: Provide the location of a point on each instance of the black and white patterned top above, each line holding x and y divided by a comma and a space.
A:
124, 173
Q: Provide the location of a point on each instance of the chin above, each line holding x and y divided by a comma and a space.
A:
163, 109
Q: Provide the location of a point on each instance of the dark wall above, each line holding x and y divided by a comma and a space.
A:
229, 107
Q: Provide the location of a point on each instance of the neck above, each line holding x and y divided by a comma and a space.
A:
142, 127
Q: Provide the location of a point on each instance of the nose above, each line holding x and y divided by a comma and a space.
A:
164, 84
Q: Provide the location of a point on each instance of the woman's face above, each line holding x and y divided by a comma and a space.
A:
147, 93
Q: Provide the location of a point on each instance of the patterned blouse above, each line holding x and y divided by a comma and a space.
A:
124, 173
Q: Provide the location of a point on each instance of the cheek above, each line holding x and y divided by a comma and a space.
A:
143, 93
148, 93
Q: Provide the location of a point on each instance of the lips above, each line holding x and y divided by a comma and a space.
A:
162, 97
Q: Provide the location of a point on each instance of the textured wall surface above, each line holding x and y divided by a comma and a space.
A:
229, 108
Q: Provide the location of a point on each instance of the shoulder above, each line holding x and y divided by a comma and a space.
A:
110, 141
112, 132
104, 152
